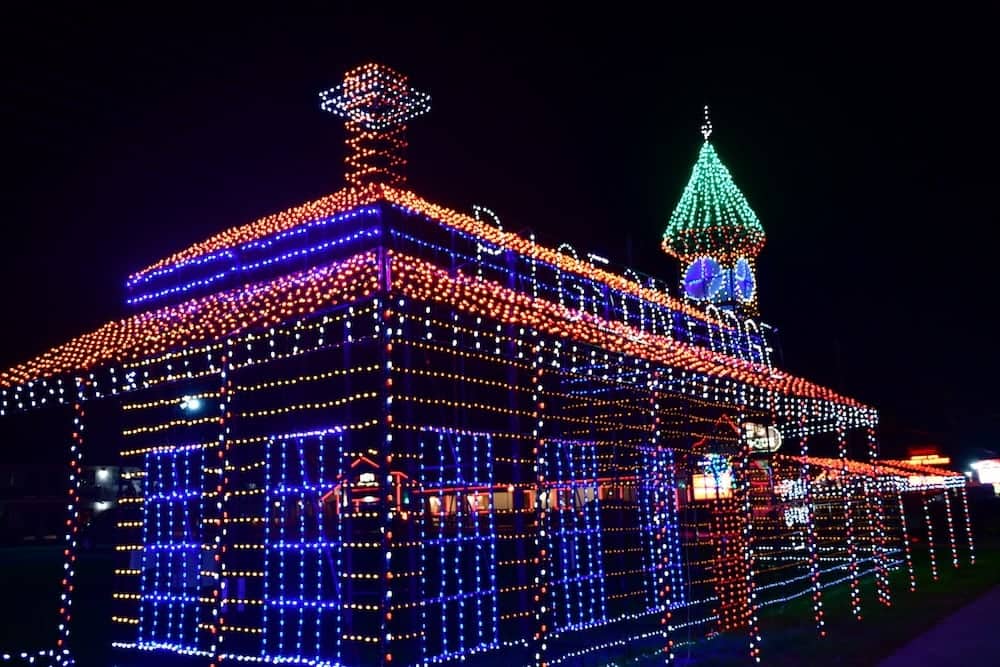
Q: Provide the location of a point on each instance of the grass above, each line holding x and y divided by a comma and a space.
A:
789, 634
30, 586
30, 583
29, 579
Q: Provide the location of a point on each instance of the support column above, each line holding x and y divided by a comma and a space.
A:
220, 592
951, 528
930, 535
662, 502
388, 500
907, 550
846, 491
742, 482
812, 544
542, 560
882, 587
72, 524
968, 525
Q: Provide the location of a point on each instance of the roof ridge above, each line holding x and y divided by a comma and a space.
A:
331, 204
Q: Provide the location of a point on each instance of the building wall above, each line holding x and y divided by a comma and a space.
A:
403, 480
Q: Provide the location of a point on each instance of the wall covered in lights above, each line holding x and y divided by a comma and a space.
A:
373, 430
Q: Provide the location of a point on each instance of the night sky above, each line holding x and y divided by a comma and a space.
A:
866, 144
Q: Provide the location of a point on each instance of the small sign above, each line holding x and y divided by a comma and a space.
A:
762, 439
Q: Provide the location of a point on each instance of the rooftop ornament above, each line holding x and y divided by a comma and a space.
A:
376, 104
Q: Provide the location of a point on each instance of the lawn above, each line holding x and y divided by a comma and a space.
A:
30, 583
789, 635
30, 587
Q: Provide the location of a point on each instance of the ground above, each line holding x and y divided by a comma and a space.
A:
30, 575
789, 635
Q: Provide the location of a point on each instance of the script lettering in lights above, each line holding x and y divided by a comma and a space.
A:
762, 439
929, 460
790, 489
797, 516
933, 482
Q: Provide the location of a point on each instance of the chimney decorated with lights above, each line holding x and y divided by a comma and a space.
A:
376, 103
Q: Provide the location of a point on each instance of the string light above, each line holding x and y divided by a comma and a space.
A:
929, 525
446, 439
968, 525
376, 103
714, 233
227, 313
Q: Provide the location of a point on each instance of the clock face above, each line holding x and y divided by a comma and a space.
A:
744, 283
703, 278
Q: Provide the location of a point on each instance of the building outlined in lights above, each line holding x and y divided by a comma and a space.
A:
375, 430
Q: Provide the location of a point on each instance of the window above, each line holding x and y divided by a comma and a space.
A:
710, 487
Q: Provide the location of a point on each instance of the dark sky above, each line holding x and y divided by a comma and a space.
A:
866, 144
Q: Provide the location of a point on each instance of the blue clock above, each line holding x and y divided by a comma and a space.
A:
703, 278
744, 283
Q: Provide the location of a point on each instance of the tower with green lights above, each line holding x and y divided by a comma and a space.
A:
715, 235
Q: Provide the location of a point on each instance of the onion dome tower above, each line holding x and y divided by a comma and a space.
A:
715, 235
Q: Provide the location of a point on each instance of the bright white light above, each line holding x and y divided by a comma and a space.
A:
103, 475
988, 472
102, 505
791, 489
191, 403
796, 515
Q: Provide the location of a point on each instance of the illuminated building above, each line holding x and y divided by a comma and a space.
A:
373, 430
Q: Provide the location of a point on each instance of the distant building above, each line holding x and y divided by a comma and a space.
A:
32, 503
33, 499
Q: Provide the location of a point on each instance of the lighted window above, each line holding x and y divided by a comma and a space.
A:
710, 487
479, 503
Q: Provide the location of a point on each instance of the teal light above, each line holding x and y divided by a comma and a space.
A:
712, 217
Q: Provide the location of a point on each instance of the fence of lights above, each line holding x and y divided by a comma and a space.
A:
410, 437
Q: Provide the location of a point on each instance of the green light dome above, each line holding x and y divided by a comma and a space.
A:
713, 217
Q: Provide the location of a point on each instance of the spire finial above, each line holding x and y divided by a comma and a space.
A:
706, 125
